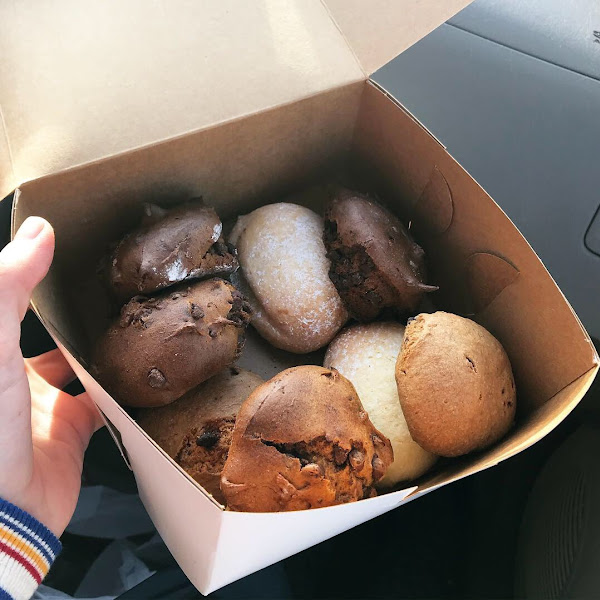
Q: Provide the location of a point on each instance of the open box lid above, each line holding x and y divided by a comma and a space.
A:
80, 81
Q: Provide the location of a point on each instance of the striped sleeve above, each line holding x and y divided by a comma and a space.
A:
27, 550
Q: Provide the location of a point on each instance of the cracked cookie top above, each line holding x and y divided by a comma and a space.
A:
303, 440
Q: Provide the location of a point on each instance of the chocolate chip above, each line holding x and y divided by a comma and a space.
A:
213, 331
220, 248
234, 370
237, 319
313, 470
208, 439
356, 459
239, 313
156, 379
196, 311
141, 317
339, 455
378, 468
377, 440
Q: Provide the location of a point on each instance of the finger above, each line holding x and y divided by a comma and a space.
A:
23, 263
60, 417
94, 411
52, 367
81, 416
16, 451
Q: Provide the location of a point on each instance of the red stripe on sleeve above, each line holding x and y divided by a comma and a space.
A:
22, 561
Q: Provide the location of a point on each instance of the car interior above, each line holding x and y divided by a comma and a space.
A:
512, 90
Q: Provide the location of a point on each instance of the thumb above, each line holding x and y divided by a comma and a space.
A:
24, 262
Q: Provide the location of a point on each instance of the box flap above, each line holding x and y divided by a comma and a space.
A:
251, 541
379, 30
7, 183
84, 80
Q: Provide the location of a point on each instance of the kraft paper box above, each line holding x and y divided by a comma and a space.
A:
106, 105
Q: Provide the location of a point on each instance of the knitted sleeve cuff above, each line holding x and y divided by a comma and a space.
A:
27, 550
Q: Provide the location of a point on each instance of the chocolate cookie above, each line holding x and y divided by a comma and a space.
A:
375, 264
161, 347
303, 440
455, 384
283, 272
170, 246
196, 430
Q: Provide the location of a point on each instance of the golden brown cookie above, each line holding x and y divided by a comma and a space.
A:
196, 430
303, 440
162, 347
455, 384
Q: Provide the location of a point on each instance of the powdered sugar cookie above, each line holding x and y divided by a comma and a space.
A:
284, 272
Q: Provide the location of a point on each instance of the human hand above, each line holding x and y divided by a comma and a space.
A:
43, 431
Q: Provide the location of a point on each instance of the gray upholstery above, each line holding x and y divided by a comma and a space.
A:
526, 129
557, 31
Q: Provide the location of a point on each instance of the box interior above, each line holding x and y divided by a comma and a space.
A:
356, 134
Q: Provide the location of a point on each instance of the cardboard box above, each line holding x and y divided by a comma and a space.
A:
114, 104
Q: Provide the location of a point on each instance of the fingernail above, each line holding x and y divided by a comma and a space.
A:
30, 229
